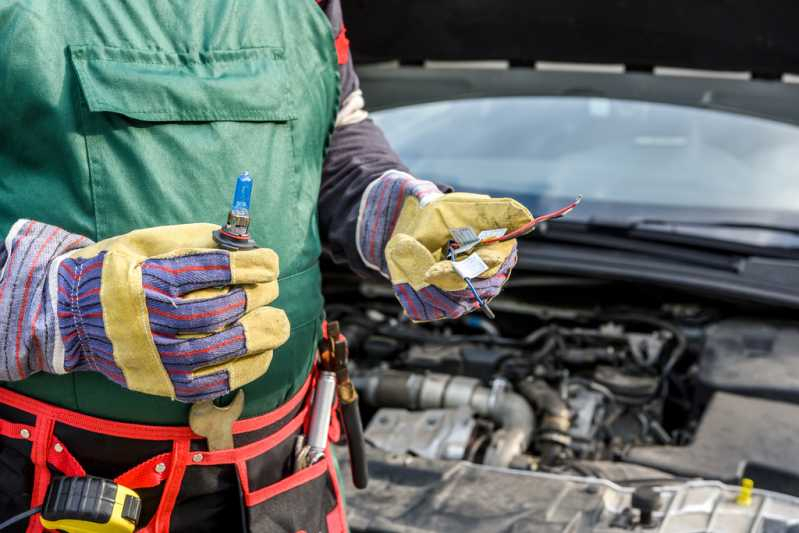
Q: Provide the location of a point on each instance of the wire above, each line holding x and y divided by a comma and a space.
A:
409, 333
480, 302
681, 342
21, 516
527, 228
530, 226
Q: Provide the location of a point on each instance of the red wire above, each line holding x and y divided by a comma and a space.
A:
527, 228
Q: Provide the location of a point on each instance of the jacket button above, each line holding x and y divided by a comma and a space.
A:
25, 434
197, 457
160, 468
58, 447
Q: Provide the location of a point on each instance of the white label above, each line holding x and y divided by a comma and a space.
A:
471, 267
492, 233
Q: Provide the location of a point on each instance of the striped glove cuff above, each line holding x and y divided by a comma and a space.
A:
29, 334
381, 204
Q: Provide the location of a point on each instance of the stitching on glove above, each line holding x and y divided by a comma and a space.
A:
83, 340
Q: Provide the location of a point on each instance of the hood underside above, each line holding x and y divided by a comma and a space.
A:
725, 35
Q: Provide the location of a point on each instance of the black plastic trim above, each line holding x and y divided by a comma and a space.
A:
387, 88
610, 264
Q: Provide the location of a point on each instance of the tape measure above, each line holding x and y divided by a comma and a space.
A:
90, 504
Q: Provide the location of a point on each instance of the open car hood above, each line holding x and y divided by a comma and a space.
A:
729, 35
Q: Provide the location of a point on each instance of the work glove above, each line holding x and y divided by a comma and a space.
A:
160, 311
404, 229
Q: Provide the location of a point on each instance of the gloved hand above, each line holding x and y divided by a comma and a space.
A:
403, 230
159, 311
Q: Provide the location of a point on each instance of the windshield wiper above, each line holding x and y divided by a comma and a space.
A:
736, 225
736, 237
682, 225
721, 245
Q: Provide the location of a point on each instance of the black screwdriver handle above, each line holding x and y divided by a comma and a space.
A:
353, 427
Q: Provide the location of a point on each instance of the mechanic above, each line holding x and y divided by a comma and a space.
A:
120, 116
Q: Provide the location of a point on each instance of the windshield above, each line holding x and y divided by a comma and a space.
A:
627, 158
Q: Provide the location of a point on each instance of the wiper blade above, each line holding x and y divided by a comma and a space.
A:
705, 243
620, 237
641, 223
742, 226
741, 237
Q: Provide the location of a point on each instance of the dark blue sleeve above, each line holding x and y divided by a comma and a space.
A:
357, 154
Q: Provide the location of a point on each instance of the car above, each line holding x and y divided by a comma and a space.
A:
642, 371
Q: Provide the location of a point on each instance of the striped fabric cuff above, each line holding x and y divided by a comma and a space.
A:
29, 331
381, 204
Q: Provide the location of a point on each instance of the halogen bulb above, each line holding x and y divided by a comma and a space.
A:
235, 235
242, 195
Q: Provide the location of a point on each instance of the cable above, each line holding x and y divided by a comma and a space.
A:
527, 228
394, 332
678, 350
21, 516
522, 365
530, 226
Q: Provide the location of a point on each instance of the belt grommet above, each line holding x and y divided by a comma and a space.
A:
58, 447
197, 457
25, 434
160, 468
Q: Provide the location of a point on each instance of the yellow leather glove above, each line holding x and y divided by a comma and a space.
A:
164, 311
404, 229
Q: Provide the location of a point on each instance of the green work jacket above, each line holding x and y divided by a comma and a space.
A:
119, 115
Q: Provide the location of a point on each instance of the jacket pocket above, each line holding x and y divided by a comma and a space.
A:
166, 133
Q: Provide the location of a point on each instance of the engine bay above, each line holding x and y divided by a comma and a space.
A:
609, 381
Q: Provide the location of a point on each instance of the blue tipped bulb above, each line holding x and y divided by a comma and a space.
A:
241, 198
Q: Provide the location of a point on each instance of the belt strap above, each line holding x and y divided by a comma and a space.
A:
142, 431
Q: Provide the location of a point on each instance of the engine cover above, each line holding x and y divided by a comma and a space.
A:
752, 358
735, 432
426, 496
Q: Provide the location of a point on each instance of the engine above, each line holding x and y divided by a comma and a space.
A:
565, 393
626, 391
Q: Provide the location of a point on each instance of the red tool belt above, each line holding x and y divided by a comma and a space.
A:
183, 486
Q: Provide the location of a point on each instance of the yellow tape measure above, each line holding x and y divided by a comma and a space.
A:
90, 504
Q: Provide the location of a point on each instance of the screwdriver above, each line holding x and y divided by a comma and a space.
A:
334, 355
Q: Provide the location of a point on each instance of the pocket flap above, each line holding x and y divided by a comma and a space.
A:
250, 84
